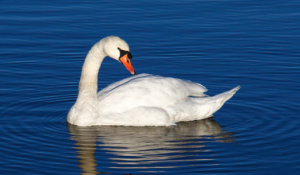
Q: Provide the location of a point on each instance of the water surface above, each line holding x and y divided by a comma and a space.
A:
220, 44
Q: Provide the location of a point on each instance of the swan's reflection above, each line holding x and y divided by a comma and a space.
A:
145, 145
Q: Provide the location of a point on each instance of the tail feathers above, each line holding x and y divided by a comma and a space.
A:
223, 97
217, 101
200, 108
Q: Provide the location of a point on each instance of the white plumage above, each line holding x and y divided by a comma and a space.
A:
141, 100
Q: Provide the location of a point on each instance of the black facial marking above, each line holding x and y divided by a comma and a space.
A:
123, 52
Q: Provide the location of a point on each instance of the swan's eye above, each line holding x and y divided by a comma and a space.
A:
129, 55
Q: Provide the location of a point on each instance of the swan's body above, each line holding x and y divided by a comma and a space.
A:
142, 100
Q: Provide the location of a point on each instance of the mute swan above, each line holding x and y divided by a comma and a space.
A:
141, 100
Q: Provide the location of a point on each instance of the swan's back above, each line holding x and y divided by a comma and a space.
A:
146, 90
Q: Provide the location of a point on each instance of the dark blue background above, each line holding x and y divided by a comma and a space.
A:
220, 44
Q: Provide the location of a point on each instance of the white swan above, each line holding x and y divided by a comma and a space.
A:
142, 100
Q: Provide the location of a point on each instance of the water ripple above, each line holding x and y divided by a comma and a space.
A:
197, 146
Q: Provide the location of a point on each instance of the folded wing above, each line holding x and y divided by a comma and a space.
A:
146, 90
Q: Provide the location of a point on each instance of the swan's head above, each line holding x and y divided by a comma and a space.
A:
118, 49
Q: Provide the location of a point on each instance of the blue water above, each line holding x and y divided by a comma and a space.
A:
220, 44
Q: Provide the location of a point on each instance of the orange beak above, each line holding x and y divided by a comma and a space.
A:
126, 62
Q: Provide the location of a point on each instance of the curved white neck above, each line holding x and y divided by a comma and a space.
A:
88, 85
